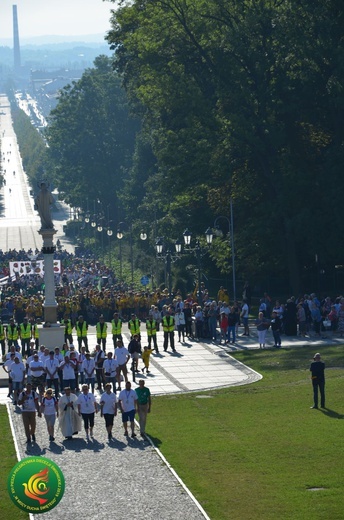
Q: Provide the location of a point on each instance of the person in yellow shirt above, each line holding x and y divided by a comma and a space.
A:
145, 358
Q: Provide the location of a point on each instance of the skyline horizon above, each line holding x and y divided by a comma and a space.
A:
39, 19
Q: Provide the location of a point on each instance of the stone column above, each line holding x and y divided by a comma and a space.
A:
50, 304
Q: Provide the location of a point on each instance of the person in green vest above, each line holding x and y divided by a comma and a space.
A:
81, 328
168, 328
2, 338
116, 324
68, 336
151, 334
25, 336
101, 330
12, 333
134, 326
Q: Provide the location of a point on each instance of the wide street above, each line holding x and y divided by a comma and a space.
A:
19, 222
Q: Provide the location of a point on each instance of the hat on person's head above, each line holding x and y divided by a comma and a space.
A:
317, 355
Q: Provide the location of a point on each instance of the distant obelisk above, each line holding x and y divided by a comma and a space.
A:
16, 47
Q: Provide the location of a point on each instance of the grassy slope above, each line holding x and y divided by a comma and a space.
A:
8, 511
252, 452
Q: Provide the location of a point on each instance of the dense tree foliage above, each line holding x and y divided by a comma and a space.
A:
91, 139
31, 145
241, 99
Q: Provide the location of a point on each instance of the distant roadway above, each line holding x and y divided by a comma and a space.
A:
19, 222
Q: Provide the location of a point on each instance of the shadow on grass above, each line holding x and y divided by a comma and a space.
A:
157, 442
332, 414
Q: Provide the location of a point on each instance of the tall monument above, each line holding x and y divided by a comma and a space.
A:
51, 334
16, 47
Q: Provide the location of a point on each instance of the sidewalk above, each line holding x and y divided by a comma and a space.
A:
126, 477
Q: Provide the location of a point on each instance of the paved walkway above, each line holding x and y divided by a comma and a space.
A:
126, 478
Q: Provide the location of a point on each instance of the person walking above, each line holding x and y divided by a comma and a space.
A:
28, 400
145, 358
51, 369
17, 375
89, 366
50, 411
110, 367
317, 369
108, 408
69, 420
99, 358
134, 349
122, 356
25, 337
144, 404
127, 405
87, 408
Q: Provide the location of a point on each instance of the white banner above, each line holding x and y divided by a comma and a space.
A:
26, 268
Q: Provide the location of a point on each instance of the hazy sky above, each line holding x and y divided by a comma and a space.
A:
55, 17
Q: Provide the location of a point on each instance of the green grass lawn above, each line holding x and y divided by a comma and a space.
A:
254, 452
8, 511
249, 452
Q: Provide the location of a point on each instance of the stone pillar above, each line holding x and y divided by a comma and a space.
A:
50, 304
51, 334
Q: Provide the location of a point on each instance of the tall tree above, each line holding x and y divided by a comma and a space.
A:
91, 138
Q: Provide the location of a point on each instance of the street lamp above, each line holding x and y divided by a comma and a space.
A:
199, 253
164, 252
109, 233
231, 242
120, 236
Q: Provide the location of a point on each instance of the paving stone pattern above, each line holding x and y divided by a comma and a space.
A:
124, 478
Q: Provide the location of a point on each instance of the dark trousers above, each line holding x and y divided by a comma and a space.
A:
150, 338
277, 337
100, 377
169, 336
115, 337
25, 346
102, 342
83, 339
321, 386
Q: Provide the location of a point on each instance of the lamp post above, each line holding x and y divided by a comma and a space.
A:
109, 233
120, 236
199, 252
231, 242
169, 257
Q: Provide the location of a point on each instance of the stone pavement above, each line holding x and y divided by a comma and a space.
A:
126, 477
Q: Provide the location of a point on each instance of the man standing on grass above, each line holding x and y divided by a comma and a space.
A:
318, 380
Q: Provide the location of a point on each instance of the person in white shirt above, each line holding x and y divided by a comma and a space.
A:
68, 372
122, 357
51, 369
37, 374
28, 371
110, 367
6, 367
59, 358
15, 352
244, 315
108, 407
17, 374
50, 411
127, 404
87, 408
88, 366
179, 318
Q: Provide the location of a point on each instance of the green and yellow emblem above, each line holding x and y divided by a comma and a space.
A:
36, 484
